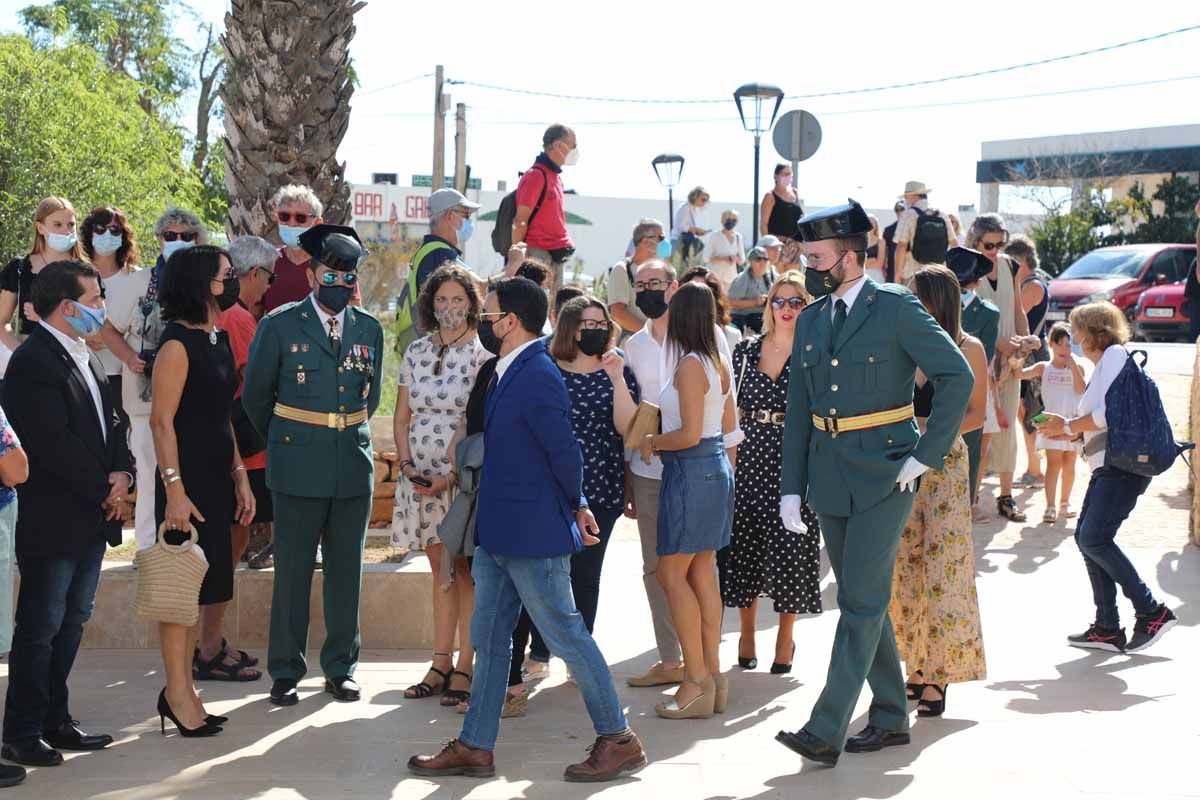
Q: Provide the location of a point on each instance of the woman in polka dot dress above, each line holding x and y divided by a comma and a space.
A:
764, 558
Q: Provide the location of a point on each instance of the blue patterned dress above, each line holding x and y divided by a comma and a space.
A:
8, 529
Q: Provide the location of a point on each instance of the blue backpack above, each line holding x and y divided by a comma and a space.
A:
1139, 437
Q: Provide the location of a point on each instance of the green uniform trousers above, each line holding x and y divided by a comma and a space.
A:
862, 550
340, 525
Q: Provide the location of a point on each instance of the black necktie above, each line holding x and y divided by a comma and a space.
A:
839, 319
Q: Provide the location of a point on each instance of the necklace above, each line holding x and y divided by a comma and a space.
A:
437, 369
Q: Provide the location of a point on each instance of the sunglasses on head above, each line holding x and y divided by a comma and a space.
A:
111, 227
287, 216
334, 278
990, 246
187, 236
794, 303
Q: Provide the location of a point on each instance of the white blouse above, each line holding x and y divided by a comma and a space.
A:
714, 399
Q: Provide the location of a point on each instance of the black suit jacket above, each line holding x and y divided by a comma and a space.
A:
50, 407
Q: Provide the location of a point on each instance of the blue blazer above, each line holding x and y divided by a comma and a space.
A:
532, 479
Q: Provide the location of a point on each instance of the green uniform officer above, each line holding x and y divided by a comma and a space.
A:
852, 449
312, 381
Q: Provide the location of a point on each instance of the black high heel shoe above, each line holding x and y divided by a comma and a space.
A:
783, 669
216, 719
747, 663
913, 690
933, 708
165, 713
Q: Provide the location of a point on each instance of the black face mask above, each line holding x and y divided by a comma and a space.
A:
593, 343
820, 283
230, 289
335, 298
488, 338
652, 302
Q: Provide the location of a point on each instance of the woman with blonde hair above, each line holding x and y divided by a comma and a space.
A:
764, 558
724, 251
687, 229
1101, 331
54, 239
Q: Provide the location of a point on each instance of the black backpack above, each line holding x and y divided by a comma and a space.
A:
931, 239
506, 215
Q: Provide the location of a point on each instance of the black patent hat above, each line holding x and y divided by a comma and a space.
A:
968, 265
334, 246
838, 222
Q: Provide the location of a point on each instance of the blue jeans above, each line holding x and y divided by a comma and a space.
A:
502, 584
55, 600
1111, 495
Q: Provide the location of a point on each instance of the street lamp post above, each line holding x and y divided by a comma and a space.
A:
759, 93
668, 167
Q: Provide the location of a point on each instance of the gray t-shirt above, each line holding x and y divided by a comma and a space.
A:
747, 287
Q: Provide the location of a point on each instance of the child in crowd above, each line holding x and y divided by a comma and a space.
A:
1062, 386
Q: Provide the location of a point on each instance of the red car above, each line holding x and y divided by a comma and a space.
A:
1160, 314
1119, 275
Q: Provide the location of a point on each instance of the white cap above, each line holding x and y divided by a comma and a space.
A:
443, 200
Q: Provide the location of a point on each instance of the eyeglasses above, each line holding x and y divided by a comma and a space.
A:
990, 246
595, 325
111, 227
287, 216
270, 275
187, 236
336, 278
654, 285
658, 238
794, 303
496, 314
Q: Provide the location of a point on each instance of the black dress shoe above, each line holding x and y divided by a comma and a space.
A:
10, 775
283, 693
69, 737
871, 739
809, 746
32, 753
344, 690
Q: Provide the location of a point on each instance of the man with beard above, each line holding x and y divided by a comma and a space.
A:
852, 448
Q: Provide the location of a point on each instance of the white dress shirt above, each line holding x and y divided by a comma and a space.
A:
504, 363
848, 298
1092, 402
325, 317
77, 349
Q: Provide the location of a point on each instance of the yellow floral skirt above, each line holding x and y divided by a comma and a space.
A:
934, 608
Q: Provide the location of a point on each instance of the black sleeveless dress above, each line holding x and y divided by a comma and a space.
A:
205, 441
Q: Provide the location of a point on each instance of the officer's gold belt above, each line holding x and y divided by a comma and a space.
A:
323, 419
836, 425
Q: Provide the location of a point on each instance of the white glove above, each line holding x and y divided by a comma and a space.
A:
909, 473
789, 512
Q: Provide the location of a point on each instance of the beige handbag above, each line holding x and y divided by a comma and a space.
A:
169, 577
645, 421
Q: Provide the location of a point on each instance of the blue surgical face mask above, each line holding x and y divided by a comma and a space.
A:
61, 242
105, 244
467, 229
664, 249
170, 248
89, 321
290, 235
730, 224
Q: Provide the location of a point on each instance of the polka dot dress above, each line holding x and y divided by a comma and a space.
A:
765, 558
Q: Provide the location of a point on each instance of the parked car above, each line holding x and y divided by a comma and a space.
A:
1160, 314
1119, 275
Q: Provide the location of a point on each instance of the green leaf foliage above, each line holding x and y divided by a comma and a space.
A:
71, 127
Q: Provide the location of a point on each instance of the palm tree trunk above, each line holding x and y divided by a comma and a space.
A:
287, 95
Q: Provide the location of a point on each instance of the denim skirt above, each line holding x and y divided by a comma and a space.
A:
695, 504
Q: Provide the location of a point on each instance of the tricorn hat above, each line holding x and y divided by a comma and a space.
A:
334, 246
838, 222
968, 265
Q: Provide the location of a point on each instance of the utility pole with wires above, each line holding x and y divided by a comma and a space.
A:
460, 148
441, 103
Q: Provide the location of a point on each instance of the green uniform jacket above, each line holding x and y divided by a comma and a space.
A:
292, 362
981, 319
872, 366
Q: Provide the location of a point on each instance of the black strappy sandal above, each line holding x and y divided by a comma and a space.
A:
913, 690
452, 697
1008, 508
218, 670
933, 708
419, 691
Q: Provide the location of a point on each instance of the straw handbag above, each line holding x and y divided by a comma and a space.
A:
169, 577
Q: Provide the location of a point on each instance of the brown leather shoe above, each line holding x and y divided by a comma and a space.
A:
608, 758
455, 759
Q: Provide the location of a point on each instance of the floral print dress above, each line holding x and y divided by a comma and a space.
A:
437, 396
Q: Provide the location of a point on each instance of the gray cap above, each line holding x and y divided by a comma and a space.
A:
757, 253
770, 240
443, 200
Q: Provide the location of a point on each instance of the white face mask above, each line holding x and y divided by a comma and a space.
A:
572, 157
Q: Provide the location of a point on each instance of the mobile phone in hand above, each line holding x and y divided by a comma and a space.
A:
420, 481
1040, 418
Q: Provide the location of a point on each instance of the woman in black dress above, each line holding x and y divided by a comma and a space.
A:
764, 557
780, 216
201, 480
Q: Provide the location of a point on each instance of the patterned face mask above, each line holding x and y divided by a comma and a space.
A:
450, 318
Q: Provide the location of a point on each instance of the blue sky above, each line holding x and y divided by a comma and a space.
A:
872, 143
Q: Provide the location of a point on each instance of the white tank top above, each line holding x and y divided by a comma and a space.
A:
714, 399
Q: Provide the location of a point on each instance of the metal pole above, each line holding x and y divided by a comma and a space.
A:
757, 138
460, 147
439, 130
670, 210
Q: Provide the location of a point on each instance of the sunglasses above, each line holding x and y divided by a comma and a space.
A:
287, 216
794, 303
336, 278
187, 236
658, 238
990, 246
270, 275
112, 228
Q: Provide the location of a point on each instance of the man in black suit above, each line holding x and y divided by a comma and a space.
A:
58, 401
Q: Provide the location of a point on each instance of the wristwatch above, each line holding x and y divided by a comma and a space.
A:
1067, 427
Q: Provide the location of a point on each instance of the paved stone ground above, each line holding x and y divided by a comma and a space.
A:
1049, 721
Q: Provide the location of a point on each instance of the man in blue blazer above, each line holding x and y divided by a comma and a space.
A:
531, 518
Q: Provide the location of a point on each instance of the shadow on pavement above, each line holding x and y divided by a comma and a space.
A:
1089, 683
